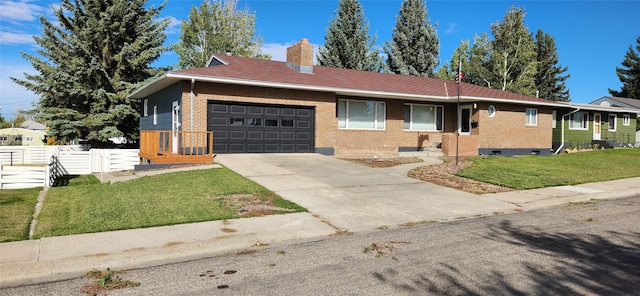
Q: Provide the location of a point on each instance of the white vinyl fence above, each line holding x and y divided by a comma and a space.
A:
21, 155
27, 167
13, 177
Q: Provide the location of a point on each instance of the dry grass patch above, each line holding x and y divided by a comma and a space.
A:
444, 174
383, 162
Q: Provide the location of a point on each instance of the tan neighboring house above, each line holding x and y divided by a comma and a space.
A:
21, 137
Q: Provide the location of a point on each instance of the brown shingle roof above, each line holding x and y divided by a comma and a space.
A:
274, 72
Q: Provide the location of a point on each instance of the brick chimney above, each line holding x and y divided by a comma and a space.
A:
300, 56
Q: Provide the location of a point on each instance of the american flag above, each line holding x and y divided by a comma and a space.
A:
459, 75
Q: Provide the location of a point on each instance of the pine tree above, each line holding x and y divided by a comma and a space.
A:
629, 75
512, 57
217, 27
550, 83
347, 42
100, 52
415, 47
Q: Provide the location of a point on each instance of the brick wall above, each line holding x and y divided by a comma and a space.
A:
468, 145
508, 129
325, 123
346, 142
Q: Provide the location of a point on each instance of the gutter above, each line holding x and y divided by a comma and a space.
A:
562, 140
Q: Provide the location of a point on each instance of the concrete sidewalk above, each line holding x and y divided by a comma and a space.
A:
341, 197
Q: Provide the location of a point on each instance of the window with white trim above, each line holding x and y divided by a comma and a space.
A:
423, 117
28, 139
145, 108
353, 114
579, 121
626, 119
532, 116
553, 118
612, 122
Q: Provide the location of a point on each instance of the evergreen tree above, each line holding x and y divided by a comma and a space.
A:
347, 42
629, 75
512, 56
550, 83
100, 52
415, 46
217, 27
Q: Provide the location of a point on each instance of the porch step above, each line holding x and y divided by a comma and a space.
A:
427, 152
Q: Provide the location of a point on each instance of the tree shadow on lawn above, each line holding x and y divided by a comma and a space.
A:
75, 180
582, 264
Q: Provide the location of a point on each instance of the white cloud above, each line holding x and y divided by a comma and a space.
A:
14, 96
451, 28
174, 26
20, 11
13, 38
278, 51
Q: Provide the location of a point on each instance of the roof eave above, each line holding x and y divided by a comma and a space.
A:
601, 108
152, 86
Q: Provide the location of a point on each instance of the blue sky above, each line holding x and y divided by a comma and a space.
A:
592, 37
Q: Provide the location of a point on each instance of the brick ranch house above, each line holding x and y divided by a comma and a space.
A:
261, 106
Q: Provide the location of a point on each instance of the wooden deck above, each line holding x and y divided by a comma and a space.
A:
167, 147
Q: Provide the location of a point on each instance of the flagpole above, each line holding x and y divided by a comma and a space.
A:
458, 77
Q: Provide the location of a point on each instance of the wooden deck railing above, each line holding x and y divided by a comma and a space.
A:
163, 147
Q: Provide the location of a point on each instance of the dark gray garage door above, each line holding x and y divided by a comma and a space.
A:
253, 128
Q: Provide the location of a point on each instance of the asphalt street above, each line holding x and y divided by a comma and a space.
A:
586, 248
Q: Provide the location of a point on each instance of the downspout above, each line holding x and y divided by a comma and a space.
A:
562, 138
193, 81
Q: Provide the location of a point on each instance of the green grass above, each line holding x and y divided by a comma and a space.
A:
76, 180
16, 210
531, 172
167, 199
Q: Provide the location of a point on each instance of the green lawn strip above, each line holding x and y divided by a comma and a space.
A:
167, 199
16, 210
531, 172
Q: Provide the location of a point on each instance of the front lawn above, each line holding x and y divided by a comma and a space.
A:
531, 172
16, 209
167, 199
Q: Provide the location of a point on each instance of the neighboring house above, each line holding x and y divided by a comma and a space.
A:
32, 125
623, 103
617, 102
583, 125
21, 137
257, 106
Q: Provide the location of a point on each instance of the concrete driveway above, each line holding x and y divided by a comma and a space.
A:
352, 197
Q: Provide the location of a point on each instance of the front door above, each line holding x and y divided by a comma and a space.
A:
596, 126
465, 120
175, 125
